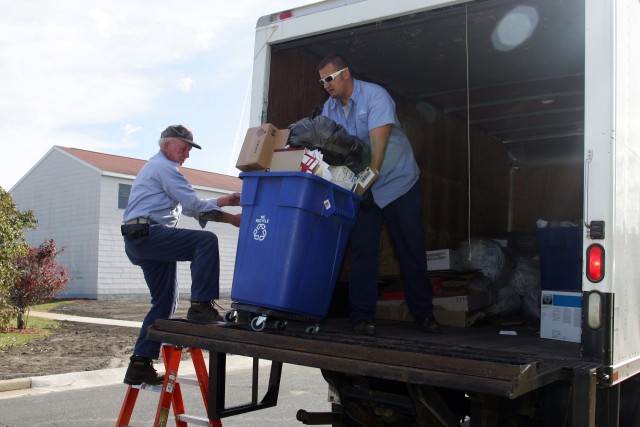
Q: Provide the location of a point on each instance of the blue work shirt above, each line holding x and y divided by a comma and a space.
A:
161, 193
371, 106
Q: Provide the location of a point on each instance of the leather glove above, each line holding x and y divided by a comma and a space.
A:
213, 215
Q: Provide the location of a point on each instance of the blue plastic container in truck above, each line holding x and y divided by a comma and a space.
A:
560, 250
293, 236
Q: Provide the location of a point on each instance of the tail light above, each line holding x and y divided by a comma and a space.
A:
595, 263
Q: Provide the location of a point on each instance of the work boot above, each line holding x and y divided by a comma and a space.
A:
141, 370
203, 312
365, 327
430, 325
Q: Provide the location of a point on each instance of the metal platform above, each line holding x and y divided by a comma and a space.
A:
477, 359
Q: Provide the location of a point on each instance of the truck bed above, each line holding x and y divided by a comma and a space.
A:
474, 359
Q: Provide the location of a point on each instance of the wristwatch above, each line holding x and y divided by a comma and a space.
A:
214, 215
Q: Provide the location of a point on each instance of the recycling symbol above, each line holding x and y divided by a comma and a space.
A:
260, 232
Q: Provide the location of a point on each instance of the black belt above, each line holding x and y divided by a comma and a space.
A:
139, 221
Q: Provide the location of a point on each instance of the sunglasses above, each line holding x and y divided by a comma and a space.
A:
330, 77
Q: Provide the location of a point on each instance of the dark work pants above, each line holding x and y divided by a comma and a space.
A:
404, 220
157, 254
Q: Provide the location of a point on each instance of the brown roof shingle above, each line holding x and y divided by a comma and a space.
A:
130, 166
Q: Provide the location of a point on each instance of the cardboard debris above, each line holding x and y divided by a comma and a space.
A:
258, 147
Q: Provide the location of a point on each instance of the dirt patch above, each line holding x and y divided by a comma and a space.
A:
76, 347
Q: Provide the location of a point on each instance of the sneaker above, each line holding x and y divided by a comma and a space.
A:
365, 327
203, 312
140, 371
430, 325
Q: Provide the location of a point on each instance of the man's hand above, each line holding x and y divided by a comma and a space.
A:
232, 199
234, 219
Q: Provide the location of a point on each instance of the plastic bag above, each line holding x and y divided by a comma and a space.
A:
337, 146
488, 256
526, 281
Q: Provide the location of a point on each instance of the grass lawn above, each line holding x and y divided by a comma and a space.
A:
36, 327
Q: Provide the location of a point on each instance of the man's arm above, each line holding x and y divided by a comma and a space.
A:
221, 216
379, 139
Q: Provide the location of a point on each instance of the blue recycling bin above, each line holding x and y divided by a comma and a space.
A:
292, 239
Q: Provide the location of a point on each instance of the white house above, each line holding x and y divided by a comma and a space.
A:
79, 197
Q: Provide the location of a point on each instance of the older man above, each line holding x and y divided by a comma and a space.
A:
159, 195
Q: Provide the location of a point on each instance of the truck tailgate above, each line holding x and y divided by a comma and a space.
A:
477, 359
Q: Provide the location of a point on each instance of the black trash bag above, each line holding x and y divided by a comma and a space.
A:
338, 148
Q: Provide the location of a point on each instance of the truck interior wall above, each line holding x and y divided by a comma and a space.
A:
441, 149
552, 193
293, 88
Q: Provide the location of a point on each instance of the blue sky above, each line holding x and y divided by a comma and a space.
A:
109, 76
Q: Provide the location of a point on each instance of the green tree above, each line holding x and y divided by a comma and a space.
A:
12, 225
41, 277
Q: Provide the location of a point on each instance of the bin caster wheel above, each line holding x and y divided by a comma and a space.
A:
230, 316
280, 324
259, 323
313, 329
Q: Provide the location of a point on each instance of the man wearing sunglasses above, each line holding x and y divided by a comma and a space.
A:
160, 194
367, 111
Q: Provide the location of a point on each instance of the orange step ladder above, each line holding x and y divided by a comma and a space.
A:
171, 393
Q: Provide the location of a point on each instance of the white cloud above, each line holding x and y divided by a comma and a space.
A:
185, 84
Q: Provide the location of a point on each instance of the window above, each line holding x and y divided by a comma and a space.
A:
123, 195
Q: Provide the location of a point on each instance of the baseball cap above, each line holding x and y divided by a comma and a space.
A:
181, 132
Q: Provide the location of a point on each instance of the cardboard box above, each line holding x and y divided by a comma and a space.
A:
398, 310
561, 315
293, 160
393, 310
461, 319
365, 180
258, 146
444, 259
344, 177
466, 302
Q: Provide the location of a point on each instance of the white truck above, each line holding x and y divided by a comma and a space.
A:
517, 110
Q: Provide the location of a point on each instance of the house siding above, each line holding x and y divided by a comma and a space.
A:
64, 197
77, 205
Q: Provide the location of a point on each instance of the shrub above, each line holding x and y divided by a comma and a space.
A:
41, 277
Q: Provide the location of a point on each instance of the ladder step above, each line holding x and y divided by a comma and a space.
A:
158, 388
148, 387
201, 421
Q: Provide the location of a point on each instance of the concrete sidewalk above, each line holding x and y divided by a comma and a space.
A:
48, 383
81, 319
